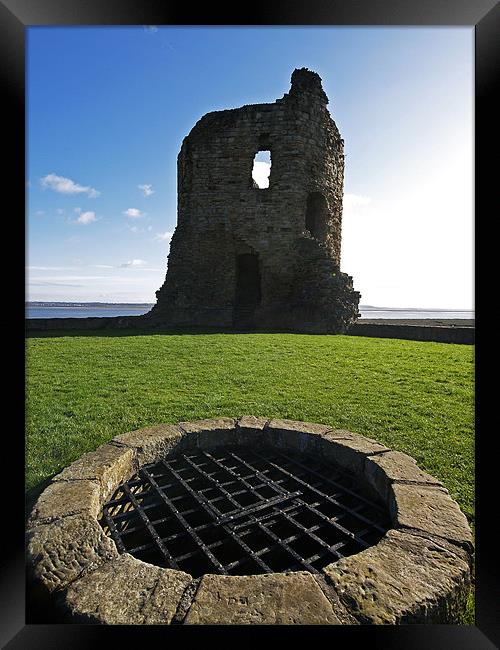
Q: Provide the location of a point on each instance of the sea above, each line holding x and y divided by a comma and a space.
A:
86, 309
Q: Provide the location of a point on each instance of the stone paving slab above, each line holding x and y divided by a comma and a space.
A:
402, 579
109, 464
59, 552
431, 510
63, 498
127, 591
152, 442
272, 599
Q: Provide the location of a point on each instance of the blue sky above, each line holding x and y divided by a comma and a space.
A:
108, 108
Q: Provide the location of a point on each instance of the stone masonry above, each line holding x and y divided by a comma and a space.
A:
418, 572
247, 257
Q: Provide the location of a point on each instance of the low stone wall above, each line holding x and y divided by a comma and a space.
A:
377, 330
415, 332
91, 323
419, 572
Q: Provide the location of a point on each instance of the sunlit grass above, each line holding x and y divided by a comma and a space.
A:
415, 397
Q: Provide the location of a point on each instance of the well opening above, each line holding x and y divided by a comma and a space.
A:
243, 511
256, 508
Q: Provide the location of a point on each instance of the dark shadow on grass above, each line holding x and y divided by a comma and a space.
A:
133, 332
157, 332
144, 325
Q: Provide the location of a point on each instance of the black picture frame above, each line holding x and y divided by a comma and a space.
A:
484, 16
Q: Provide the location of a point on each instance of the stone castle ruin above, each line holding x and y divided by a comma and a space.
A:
244, 257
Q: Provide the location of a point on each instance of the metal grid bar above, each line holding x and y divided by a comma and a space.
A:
182, 520
260, 512
322, 494
247, 512
164, 551
358, 496
304, 530
210, 511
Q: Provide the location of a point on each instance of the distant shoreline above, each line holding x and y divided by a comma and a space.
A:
425, 322
369, 313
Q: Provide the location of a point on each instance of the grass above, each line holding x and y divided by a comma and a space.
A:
415, 397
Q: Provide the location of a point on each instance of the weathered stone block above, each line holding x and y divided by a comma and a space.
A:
59, 552
64, 498
294, 434
272, 599
206, 434
251, 430
252, 423
403, 579
127, 591
431, 510
151, 443
109, 464
349, 450
384, 469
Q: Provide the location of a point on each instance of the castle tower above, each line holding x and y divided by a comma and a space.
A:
246, 257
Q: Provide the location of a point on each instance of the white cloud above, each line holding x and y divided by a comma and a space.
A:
164, 236
133, 263
60, 211
40, 212
49, 268
86, 218
67, 186
103, 266
151, 29
133, 213
147, 190
352, 201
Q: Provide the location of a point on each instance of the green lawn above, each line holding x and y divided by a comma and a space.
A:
415, 397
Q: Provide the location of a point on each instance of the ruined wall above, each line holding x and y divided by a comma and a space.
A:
223, 216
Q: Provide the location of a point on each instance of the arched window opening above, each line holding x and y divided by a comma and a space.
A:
316, 215
261, 169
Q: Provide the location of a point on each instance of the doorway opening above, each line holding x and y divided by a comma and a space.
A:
248, 289
317, 215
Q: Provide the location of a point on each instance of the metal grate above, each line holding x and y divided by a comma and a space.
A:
242, 511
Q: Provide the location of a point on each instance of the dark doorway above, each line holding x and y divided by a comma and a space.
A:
247, 295
317, 215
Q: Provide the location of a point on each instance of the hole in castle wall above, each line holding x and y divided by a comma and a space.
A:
248, 288
316, 215
261, 169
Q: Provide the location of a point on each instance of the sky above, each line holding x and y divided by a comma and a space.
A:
108, 108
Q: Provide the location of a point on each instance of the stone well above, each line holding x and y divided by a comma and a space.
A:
419, 570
